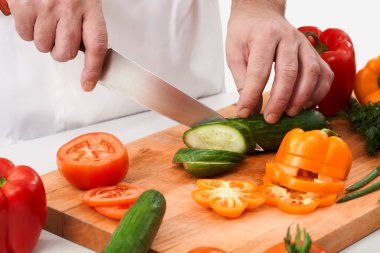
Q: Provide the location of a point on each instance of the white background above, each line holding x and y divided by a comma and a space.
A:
360, 19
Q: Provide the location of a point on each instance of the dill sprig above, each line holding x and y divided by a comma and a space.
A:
366, 120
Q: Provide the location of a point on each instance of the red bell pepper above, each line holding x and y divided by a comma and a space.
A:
22, 207
336, 48
4, 8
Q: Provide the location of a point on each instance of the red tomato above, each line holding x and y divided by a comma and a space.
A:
93, 160
206, 250
113, 212
120, 194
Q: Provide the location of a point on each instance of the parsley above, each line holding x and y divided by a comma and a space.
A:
366, 121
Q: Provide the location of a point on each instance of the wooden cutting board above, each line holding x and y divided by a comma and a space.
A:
187, 225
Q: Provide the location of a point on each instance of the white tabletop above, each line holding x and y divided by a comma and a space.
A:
40, 154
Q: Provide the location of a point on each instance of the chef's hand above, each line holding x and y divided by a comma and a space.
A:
258, 35
59, 26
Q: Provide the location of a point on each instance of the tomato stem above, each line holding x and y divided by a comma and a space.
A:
2, 181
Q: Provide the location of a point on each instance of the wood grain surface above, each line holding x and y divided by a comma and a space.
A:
187, 225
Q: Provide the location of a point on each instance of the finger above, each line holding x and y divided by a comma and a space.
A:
67, 38
323, 85
24, 15
309, 71
44, 31
95, 41
258, 70
237, 63
286, 71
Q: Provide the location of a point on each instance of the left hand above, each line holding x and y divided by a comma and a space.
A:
258, 35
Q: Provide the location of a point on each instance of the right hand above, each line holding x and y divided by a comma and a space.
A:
59, 26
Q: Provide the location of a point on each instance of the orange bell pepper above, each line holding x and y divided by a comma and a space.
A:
315, 151
276, 173
227, 198
295, 202
367, 82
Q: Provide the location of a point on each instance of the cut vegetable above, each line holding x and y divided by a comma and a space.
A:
233, 136
221, 136
207, 155
139, 226
207, 169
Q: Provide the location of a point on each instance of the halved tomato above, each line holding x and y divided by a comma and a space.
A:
93, 160
113, 212
120, 194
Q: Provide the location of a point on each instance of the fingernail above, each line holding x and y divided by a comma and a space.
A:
271, 118
88, 86
244, 112
292, 111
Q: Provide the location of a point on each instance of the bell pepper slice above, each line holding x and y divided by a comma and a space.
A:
297, 205
275, 173
227, 198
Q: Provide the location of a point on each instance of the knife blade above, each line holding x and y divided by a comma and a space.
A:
145, 88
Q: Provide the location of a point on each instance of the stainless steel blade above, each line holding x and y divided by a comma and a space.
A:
148, 90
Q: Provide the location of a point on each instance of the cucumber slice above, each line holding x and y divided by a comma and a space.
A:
206, 155
207, 169
221, 136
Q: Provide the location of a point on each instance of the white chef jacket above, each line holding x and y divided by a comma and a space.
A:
179, 40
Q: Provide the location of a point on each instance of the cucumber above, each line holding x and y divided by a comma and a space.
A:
137, 229
268, 136
207, 169
220, 136
206, 155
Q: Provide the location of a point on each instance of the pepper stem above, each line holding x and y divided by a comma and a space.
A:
2, 181
319, 46
329, 132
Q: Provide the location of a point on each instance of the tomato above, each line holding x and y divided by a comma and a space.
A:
280, 248
120, 194
113, 212
227, 198
206, 250
93, 160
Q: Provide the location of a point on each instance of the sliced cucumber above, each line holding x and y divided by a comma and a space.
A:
221, 136
206, 155
232, 136
207, 169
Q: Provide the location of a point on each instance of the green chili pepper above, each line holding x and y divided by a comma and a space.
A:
360, 193
371, 176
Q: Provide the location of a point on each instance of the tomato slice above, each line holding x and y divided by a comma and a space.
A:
227, 198
93, 160
113, 212
120, 194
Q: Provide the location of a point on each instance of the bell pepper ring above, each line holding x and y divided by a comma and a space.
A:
227, 198
22, 207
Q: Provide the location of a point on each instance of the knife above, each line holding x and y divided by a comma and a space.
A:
145, 88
